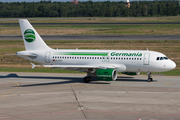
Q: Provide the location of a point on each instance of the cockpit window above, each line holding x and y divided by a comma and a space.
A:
165, 58
161, 58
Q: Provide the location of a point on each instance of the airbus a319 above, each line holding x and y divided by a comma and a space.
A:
103, 64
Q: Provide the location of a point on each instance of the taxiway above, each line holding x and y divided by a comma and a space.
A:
29, 96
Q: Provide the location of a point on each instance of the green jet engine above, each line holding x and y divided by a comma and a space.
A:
106, 74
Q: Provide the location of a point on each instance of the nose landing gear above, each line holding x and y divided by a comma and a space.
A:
149, 77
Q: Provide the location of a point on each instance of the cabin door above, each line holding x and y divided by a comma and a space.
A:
47, 57
146, 58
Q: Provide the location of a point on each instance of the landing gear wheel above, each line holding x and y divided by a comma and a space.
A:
87, 79
149, 79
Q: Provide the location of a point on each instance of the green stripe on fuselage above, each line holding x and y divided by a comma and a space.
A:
83, 53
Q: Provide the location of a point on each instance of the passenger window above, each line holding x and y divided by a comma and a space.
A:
92, 57
111, 58
107, 58
134, 58
103, 57
137, 58
87, 57
97, 57
67, 57
82, 57
121, 58
62, 57
100, 58
127, 58
124, 58
114, 58
140, 58
72, 57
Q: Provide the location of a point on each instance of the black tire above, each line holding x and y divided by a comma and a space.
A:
149, 79
87, 79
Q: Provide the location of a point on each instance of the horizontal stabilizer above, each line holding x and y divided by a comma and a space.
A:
30, 55
33, 65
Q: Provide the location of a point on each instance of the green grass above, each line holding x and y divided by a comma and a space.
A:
97, 19
168, 73
97, 29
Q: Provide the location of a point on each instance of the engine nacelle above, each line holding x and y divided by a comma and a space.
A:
106, 74
131, 73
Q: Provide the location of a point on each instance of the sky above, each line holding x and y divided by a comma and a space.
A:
52, 0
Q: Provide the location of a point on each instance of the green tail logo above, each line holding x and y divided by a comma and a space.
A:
29, 35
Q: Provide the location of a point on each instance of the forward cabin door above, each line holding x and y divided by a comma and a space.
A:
146, 58
47, 57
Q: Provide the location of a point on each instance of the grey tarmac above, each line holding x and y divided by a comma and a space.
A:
44, 96
97, 37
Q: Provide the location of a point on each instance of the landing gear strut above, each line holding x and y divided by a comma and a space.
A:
87, 79
149, 77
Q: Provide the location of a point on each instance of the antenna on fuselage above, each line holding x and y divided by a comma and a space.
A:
147, 49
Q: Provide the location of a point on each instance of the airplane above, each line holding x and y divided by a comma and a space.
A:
102, 64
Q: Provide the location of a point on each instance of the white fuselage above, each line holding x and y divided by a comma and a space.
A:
124, 60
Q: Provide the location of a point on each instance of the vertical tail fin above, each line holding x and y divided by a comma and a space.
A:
32, 40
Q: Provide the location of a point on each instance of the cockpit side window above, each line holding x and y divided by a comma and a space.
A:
165, 58
161, 58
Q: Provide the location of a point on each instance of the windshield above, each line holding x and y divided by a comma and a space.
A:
161, 58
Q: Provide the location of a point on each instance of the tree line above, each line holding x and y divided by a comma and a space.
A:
89, 9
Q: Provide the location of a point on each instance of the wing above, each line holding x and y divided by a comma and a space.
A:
85, 68
81, 66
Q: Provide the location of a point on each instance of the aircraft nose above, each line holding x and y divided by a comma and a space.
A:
173, 65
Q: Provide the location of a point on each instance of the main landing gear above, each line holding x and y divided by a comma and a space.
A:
149, 77
87, 79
